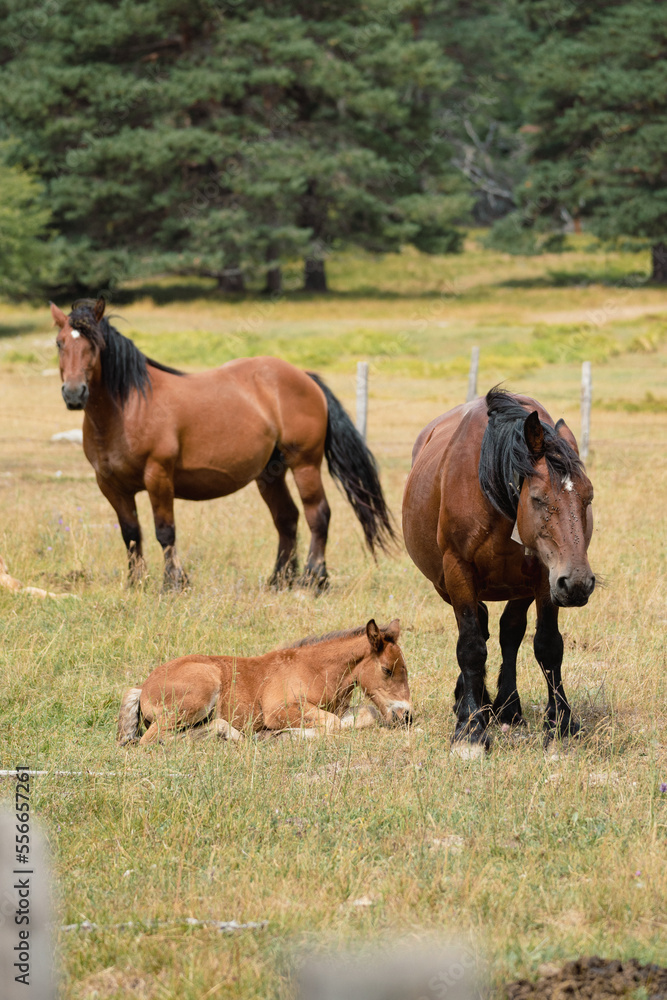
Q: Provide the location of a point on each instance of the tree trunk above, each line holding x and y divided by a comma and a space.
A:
231, 280
274, 281
314, 275
659, 262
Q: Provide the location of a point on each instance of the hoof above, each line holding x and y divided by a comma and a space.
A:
175, 584
283, 577
517, 725
317, 579
566, 729
468, 751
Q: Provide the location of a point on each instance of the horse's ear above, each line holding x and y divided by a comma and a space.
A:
534, 434
564, 432
374, 636
59, 317
392, 631
98, 309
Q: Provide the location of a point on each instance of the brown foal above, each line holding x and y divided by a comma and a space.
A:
306, 687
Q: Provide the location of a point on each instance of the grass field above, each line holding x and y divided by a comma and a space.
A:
532, 856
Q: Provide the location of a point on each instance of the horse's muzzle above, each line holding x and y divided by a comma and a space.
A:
401, 716
75, 396
572, 592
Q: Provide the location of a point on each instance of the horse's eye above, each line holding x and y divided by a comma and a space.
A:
387, 671
538, 501
59, 345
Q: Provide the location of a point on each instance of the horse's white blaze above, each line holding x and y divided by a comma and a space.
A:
568, 485
75, 334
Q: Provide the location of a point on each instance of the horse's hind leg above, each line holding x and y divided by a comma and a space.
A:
275, 494
308, 480
217, 728
507, 706
162, 727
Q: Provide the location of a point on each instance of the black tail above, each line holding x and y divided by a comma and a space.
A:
352, 465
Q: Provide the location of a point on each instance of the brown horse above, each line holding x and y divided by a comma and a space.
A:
497, 508
150, 427
306, 686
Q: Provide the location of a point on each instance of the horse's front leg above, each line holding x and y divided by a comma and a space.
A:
303, 718
513, 621
159, 482
548, 646
361, 717
471, 736
128, 520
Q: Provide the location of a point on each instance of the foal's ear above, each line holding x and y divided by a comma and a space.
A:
534, 434
374, 636
98, 309
564, 432
392, 631
59, 317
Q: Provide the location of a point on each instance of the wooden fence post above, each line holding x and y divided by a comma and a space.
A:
472, 377
586, 401
362, 397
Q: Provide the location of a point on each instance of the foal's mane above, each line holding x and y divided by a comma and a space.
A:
124, 366
313, 640
505, 459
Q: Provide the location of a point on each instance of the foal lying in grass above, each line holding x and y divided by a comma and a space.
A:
306, 687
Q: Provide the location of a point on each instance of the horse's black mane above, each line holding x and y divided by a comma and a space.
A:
505, 459
124, 366
313, 640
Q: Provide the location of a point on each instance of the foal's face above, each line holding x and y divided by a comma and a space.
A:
383, 675
77, 358
556, 520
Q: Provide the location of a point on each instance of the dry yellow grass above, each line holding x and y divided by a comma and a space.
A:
558, 854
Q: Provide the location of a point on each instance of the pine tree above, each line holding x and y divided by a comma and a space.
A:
488, 43
597, 116
25, 246
220, 139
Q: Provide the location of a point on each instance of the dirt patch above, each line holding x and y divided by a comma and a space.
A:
592, 979
114, 982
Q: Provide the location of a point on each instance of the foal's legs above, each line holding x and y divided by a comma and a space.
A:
507, 706
302, 717
360, 718
309, 484
274, 492
217, 728
160, 485
471, 707
126, 512
548, 646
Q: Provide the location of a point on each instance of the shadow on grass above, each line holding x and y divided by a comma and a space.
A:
579, 279
18, 329
173, 294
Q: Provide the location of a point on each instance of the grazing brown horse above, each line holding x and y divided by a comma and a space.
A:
196, 437
497, 508
306, 686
